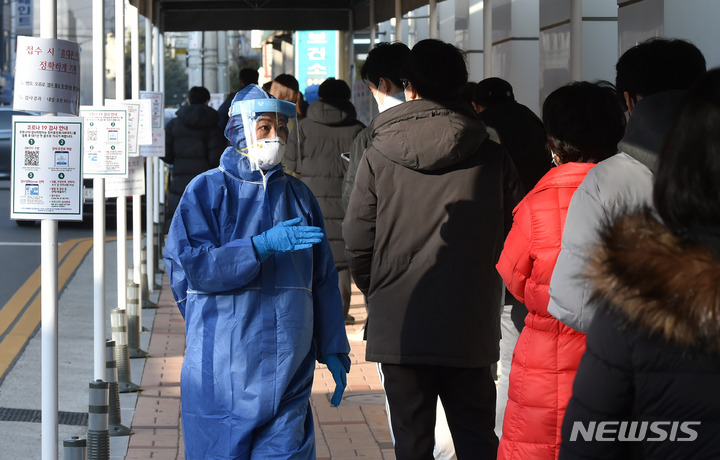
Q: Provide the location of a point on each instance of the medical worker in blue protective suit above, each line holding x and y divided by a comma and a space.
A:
253, 275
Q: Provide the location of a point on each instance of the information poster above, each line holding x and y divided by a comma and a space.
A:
134, 184
46, 168
145, 123
157, 107
47, 75
216, 100
157, 148
133, 120
104, 142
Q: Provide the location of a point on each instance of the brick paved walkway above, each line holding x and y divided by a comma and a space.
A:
357, 428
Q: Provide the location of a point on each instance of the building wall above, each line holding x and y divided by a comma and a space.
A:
599, 38
516, 58
695, 21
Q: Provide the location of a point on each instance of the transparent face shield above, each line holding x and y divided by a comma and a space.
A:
269, 126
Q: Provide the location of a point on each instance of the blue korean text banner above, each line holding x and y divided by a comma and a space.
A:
315, 56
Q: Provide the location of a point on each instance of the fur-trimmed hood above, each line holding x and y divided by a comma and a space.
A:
658, 281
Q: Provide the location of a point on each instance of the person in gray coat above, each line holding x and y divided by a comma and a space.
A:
652, 77
325, 134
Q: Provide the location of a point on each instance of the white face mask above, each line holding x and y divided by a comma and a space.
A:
388, 101
267, 153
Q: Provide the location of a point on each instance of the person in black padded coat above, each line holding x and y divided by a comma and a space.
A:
651, 370
193, 144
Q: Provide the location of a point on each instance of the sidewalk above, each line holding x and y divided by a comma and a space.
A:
357, 428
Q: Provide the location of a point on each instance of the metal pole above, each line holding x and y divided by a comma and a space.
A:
150, 195
98, 67
433, 23
576, 40
487, 39
148, 55
210, 61
398, 20
194, 59
133, 19
121, 220
351, 51
137, 213
159, 215
49, 295
373, 26
223, 84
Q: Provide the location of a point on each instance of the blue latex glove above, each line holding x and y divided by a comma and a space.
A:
286, 236
339, 374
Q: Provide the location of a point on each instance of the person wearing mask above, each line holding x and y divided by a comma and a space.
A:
651, 78
253, 276
193, 144
430, 208
381, 72
325, 134
584, 122
651, 371
521, 132
248, 76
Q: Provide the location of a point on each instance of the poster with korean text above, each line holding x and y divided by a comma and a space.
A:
104, 141
46, 168
47, 75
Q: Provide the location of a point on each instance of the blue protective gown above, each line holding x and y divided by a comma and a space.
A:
253, 330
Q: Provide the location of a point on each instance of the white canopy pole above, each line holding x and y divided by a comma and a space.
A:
49, 295
121, 219
98, 68
487, 39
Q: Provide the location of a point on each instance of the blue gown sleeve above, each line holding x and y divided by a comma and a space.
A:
329, 335
195, 253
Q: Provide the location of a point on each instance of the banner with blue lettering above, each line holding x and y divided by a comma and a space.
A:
315, 56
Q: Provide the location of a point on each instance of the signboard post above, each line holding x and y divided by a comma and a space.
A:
156, 149
46, 168
47, 79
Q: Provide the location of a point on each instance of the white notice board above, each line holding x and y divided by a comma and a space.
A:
133, 119
134, 184
104, 142
47, 75
46, 168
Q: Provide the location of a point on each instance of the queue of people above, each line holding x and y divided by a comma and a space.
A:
604, 230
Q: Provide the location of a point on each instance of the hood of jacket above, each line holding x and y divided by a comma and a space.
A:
662, 283
648, 125
332, 112
197, 116
427, 136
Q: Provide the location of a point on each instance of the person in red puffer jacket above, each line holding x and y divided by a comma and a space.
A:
584, 122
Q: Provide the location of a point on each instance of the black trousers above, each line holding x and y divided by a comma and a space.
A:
345, 288
468, 395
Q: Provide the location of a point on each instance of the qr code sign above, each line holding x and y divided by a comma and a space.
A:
32, 158
92, 135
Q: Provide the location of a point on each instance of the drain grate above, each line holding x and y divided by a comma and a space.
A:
8, 414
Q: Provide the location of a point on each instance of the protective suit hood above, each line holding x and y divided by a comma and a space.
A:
247, 104
234, 131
